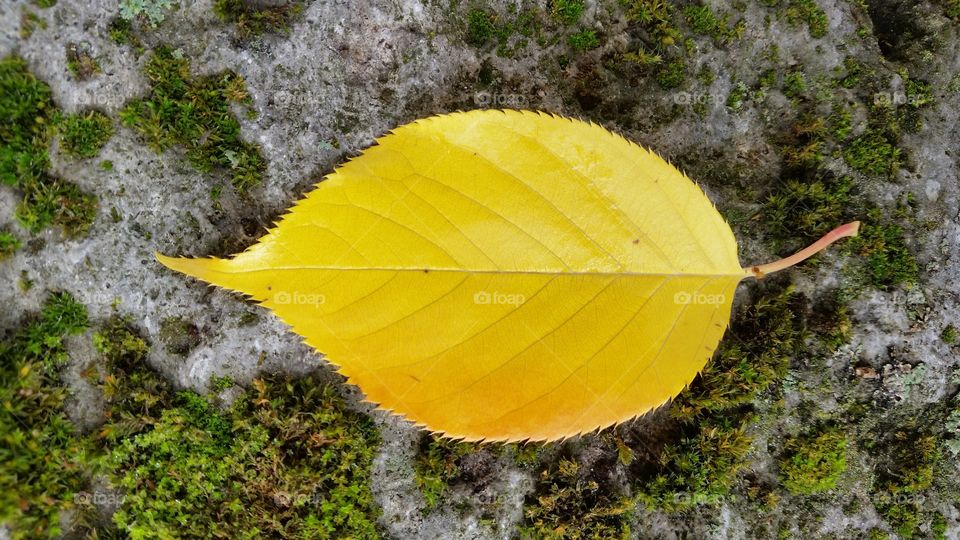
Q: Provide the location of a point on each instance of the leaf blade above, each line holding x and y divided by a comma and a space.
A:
381, 266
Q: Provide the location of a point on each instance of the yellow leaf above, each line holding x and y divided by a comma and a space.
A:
501, 275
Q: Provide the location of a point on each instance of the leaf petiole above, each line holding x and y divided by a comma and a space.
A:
843, 231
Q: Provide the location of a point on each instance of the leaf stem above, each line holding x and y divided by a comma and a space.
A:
843, 231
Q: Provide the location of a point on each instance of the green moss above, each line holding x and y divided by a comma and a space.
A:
120, 32
480, 26
737, 97
566, 505
82, 135
803, 147
436, 465
484, 26
134, 394
905, 469
194, 112
253, 19
873, 153
794, 84
55, 201
703, 20
706, 76
951, 8
949, 334
655, 17
807, 210
853, 72
178, 335
81, 63
813, 463
584, 40
701, 462
566, 11
219, 384
938, 528
29, 22
672, 74
9, 243
881, 247
45, 3
917, 94
831, 321
527, 456
809, 13
767, 79
26, 106
841, 123
43, 457
288, 459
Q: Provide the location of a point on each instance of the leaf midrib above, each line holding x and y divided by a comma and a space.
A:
427, 270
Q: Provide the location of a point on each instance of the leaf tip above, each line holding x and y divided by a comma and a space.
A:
197, 268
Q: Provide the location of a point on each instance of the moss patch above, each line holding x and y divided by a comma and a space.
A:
436, 465
949, 334
41, 452
872, 152
9, 243
584, 40
194, 112
254, 18
567, 11
120, 31
812, 463
81, 63
510, 32
26, 106
29, 22
882, 249
286, 460
178, 335
809, 13
703, 20
800, 211
568, 505
907, 459
82, 135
